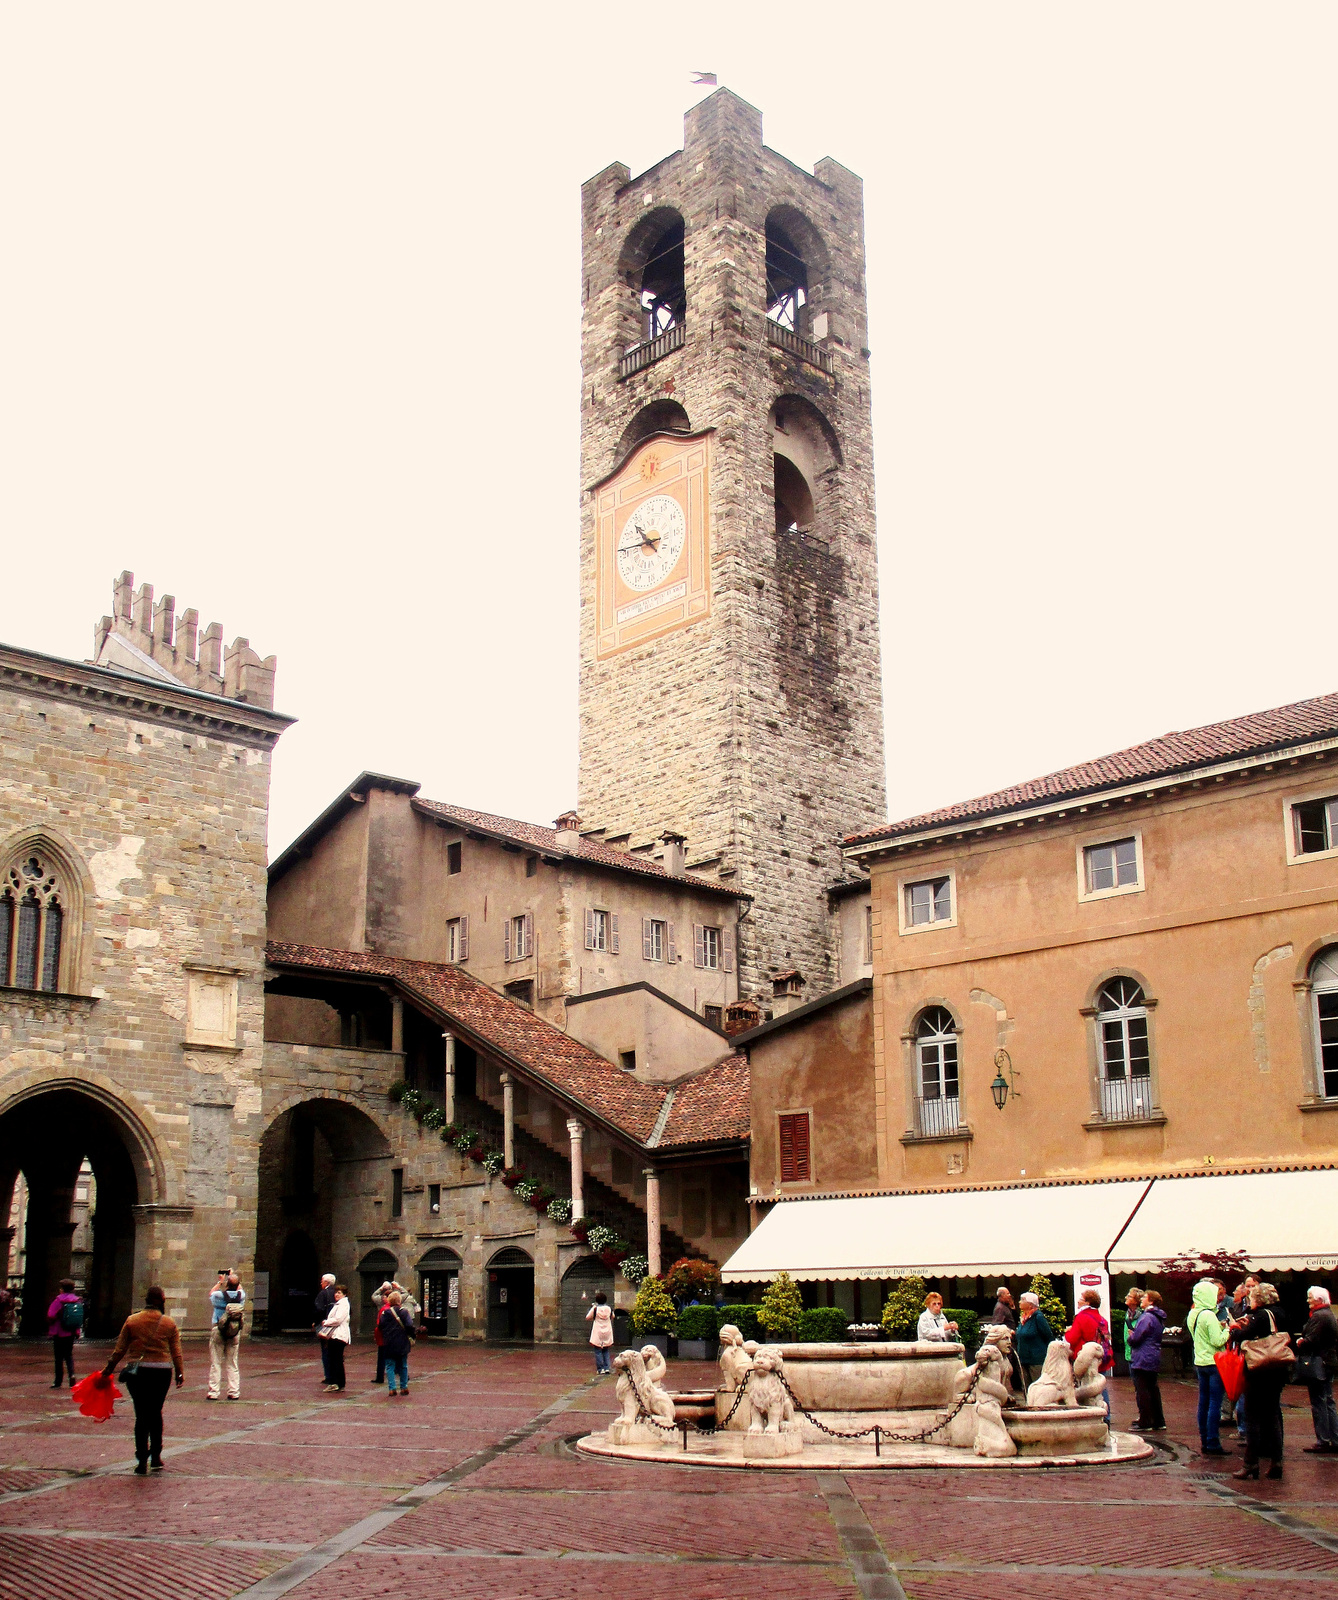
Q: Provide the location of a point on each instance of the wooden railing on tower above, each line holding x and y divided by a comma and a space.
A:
651, 350
796, 345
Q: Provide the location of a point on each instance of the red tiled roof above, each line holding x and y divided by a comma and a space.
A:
1157, 758
552, 1056
546, 840
712, 1106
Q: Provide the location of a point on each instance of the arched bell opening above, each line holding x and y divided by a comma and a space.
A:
653, 267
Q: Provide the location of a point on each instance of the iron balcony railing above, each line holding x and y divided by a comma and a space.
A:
646, 354
796, 345
1127, 1099
938, 1116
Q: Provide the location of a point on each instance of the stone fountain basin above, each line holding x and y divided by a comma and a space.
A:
873, 1377
1057, 1430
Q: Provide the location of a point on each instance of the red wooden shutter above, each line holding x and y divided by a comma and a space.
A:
794, 1147
727, 949
647, 939
698, 945
529, 933
464, 938
589, 927
506, 940
613, 933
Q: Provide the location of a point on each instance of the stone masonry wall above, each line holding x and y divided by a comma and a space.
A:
157, 799
758, 731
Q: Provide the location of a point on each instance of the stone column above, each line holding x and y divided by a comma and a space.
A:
653, 1220
577, 1132
397, 1022
449, 1039
508, 1119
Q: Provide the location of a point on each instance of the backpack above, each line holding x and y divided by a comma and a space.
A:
229, 1325
71, 1318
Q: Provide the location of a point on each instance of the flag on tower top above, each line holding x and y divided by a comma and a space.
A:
704, 77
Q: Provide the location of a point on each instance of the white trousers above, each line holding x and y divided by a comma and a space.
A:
223, 1361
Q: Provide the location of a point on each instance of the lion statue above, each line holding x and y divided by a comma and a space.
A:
1054, 1387
735, 1362
1087, 1375
636, 1391
771, 1404
993, 1390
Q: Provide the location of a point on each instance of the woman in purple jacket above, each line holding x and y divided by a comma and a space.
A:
1145, 1363
60, 1333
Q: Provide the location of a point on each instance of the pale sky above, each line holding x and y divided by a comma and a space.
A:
289, 309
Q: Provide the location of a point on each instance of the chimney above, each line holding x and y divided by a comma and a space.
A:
568, 827
740, 1015
787, 992
675, 853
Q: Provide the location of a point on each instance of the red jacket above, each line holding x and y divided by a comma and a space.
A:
1089, 1326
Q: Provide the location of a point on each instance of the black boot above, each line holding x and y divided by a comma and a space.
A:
1274, 1471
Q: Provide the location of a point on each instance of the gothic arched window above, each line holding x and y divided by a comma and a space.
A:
32, 921
936, 1071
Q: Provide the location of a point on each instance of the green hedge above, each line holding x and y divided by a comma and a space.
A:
744, 1319
822, 1325
968, 1326
698, 1322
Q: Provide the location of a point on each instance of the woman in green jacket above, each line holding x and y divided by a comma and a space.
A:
1209, 1337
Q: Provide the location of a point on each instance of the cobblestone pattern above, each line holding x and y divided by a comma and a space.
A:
757, 732
251, 1489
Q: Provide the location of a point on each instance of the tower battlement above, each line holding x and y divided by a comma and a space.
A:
142, 635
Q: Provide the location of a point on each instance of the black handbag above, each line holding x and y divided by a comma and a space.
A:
1311, 1367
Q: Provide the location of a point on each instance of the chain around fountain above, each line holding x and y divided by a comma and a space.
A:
877, 1427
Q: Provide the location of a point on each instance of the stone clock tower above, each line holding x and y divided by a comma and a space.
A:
730, 679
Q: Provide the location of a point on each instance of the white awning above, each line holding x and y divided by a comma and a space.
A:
966, 1234
1281, 1220
1284, 1221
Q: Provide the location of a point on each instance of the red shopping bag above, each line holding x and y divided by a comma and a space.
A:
96, 1395
1231, 1368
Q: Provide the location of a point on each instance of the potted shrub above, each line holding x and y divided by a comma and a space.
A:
559, 1210
580, 1229
823, 1325
781, 1308
697, 1330
653, 1315
690, 1279
634, 1268
744, 1318
511, 1176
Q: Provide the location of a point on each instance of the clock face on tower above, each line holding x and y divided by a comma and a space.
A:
651, 542
652, 554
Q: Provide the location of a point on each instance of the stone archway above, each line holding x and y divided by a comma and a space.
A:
510, 1285
47, 1133
580, 1283
320, 1159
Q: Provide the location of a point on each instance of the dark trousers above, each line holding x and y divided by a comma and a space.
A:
334, 1361
148, 1389
380, 1365
1147, 1391
63, 1351
325, 1359
1263, 1413
1322, 1412
1210, 1406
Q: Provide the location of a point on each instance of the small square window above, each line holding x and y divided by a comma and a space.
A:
522, 992
1111, 866
715, 1015
627, 1060
531, 866
434, 1199
453, 858
930, 901
1316, 824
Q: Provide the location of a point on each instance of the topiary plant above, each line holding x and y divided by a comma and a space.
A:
654, 1310
743, 1317
822, 1325
968, 1327
1056, 1312
903, 1308
697, 1322
781, 1307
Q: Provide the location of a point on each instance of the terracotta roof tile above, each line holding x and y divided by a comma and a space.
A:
573, 1069
546, 839
1157, 758
712, 1106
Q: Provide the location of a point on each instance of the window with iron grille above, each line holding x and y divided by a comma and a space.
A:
1126, 1059
936, 1071
794, 1147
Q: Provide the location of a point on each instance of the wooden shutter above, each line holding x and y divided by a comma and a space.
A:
589, 927
698, 945
464, 938
794, 1147
529, 933
727, 949
613, 933
647, 939
506, 939
670, 953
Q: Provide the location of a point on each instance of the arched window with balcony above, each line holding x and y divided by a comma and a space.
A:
936, 1072
1324, 1019
34, 895
1124, 1051
652, 265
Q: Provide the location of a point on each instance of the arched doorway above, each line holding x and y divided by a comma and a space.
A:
582, 1281
439, 1271
511, 1295
48, 1136
318, 1161
375, 1268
